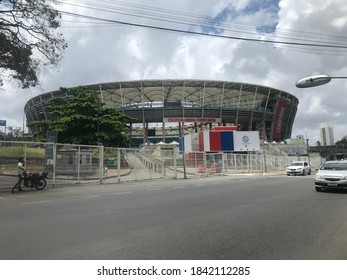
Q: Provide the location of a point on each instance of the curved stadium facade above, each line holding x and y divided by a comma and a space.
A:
197, 102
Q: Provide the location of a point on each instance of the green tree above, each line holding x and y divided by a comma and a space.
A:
84, 119
28, 38
342, 142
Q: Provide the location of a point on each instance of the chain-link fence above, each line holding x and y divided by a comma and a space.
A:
68, 163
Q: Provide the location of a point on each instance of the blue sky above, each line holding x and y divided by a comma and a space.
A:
230, 14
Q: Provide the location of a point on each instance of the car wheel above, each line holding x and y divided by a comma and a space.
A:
318, 189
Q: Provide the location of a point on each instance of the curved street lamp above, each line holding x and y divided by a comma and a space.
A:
316, 80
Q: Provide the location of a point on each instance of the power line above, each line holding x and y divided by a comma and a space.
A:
202, 21
167, 29
301, 41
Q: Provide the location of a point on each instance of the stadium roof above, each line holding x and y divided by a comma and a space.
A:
198, 92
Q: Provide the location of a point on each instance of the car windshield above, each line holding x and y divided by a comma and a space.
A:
334, 166
297, 164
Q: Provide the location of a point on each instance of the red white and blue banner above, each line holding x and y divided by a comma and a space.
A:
279, 118
222, 141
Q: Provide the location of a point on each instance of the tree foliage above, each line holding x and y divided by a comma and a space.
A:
84, 119
343, 141
28, 38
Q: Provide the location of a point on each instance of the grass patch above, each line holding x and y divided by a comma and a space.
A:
17, 152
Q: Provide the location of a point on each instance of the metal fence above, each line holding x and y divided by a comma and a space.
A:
68, 163
230, 163
63, 162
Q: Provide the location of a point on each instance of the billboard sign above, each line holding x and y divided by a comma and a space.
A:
2, 122
208, 120
219, 141
246, 141
279, 118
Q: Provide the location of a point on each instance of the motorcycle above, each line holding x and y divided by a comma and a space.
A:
32, 180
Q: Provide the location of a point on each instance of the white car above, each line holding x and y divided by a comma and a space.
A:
331, 175
298, 168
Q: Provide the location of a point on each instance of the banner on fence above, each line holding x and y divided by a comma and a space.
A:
219, 141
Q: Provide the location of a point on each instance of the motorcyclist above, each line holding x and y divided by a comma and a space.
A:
20, 172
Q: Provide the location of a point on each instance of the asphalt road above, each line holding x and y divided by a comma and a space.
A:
231, 217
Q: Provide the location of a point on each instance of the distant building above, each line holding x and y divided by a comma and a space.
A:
327, 135
294, 146
294, 141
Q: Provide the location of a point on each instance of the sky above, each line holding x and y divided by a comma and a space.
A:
119, 49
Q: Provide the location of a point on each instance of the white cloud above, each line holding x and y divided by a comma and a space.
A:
340, 22
239, 5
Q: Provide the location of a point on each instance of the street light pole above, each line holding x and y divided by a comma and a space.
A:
316, 80
264, 154
308, 153
313, 81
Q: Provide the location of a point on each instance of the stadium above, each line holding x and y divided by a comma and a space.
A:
165, 109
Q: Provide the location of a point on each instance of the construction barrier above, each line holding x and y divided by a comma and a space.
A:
212, 169
201, 168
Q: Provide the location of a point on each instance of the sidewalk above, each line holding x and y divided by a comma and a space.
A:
275, 173
8, 180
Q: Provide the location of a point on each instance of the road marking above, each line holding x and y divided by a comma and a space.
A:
92, 196
179, 187
122, 193
151, 190
36, 202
